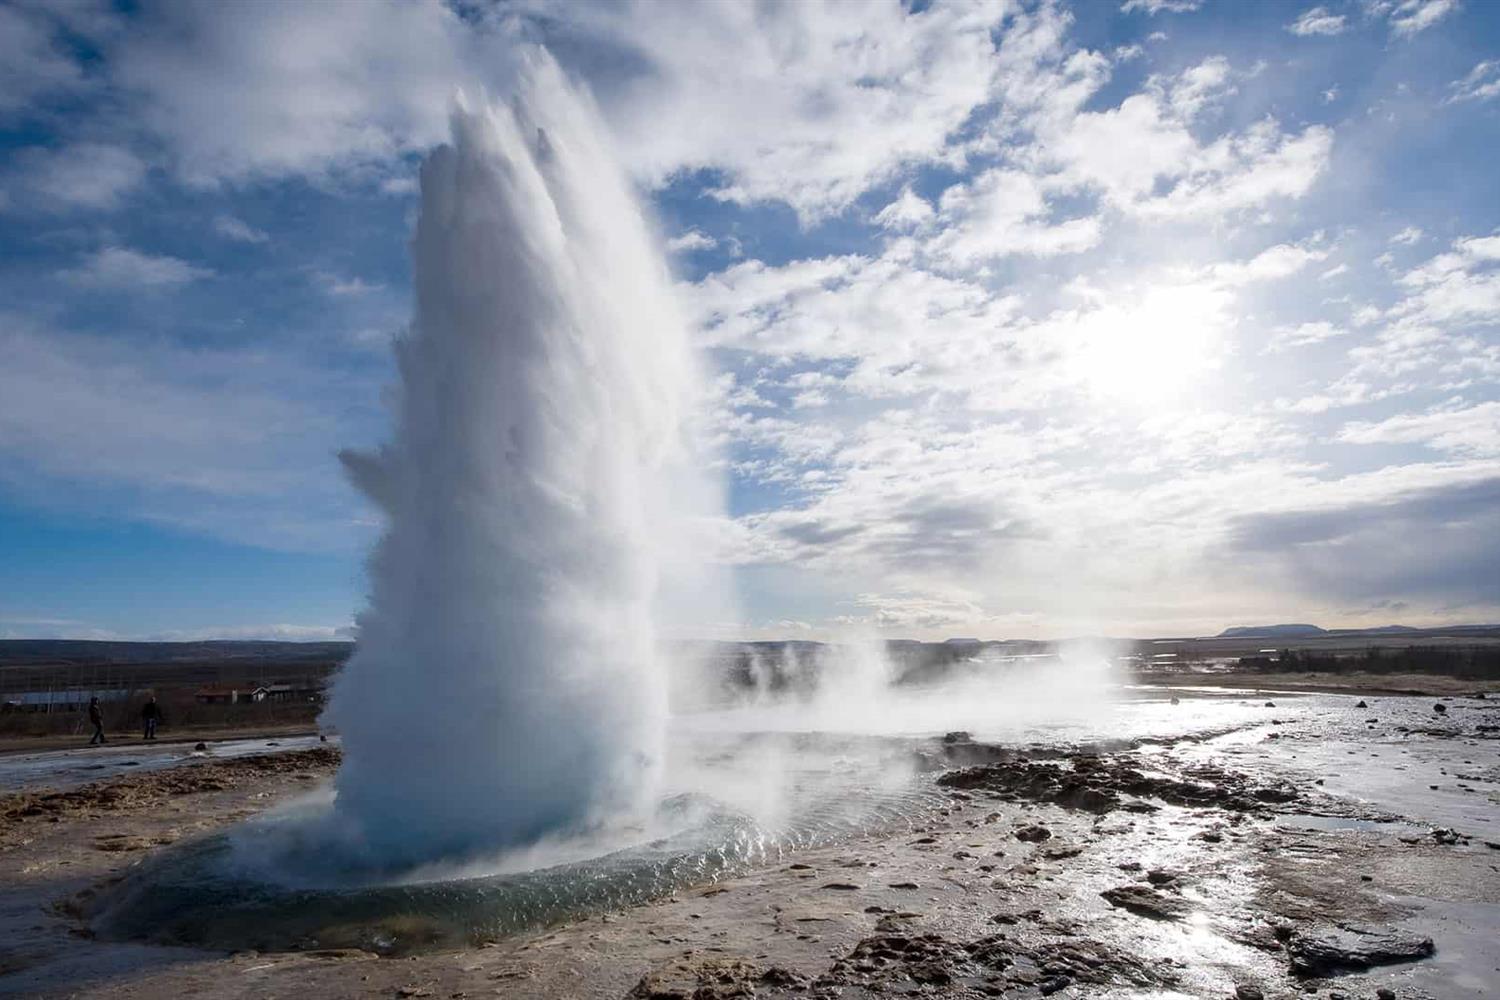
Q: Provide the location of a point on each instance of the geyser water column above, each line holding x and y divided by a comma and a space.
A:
506, 684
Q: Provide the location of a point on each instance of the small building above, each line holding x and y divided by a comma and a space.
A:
275, 693
216, 696
300, 692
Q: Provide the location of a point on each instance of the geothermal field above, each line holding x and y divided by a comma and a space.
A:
526, 778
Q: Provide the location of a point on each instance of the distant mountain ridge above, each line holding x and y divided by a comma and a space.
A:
1304, 631
1293, 631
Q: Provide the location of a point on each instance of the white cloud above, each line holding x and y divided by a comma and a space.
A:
1198, 88
1407, 236
1481, 84
909, 211
814, 108
233, 228
1318, 21
1279, 261
84, 174
1435, 336
693, 239
341, 287
276, 88
1470, 431
117, 267
1143, 158
1154, 7
1408, 17
34, 60
1003, 212
1287, 337
1461, 286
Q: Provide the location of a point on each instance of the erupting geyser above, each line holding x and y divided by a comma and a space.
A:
506, 684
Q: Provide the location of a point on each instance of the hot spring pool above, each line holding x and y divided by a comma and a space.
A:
269, 885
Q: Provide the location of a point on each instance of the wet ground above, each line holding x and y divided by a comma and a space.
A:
1208, 847
74, 766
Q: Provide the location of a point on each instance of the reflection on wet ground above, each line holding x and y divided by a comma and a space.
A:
76, 766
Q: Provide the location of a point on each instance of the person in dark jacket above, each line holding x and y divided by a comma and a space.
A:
96, 717
150, 716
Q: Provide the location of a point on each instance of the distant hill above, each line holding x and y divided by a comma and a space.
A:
80, 651
1272, 632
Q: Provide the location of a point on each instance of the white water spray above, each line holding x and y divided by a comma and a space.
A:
507, 684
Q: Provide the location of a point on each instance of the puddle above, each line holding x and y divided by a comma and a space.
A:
1351, 824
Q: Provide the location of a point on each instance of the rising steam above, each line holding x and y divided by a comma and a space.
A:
507, 683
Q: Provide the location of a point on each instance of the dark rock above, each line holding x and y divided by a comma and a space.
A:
1248, 993
1385, 994
842, 886
1348, 949
1361, 704
200, 746
1086, 798
776, 976
695, 977
1440, 708
1270, 704
1145, 902
1097, 785
957, 736
1047, 987
1033, 834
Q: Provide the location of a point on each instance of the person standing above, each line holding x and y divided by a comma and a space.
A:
150, 716
96, 718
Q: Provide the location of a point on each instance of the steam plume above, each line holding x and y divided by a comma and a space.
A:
506, 684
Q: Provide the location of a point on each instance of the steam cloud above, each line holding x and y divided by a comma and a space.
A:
507, 684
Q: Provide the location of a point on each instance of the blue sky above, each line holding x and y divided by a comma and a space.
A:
1025, 318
